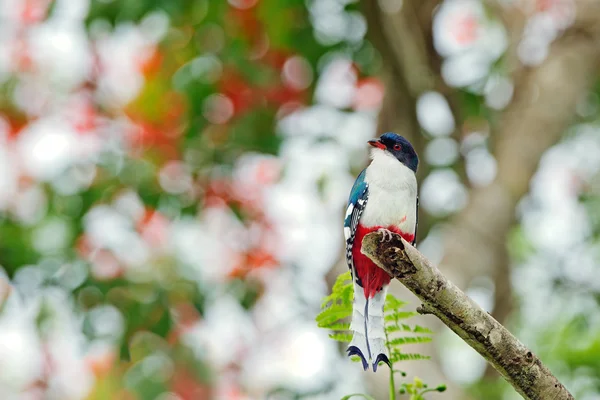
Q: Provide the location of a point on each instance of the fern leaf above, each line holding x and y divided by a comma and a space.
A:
342, 292
406, 328
341, 337
398, 315
342, 281
333, 314
364, 396
340, 326
422, 329
338, 305
397, 328
397, 356
392, 303
409, 340
337, 308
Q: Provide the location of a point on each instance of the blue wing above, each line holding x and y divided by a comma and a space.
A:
356, 205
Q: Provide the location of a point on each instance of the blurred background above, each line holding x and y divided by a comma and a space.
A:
174, 174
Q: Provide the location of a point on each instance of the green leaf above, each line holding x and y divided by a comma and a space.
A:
418, 382
342, 281
342, 291
392, 303
341, 326
341, 337
409, 340
397, 356
398, 315
407, 328
364, 396
421, 329
337, 307
331, 315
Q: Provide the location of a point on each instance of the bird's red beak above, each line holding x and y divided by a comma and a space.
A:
376, 143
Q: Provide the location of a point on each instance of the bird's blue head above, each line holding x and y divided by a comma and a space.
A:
399, 147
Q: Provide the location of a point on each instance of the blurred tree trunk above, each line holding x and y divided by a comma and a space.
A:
543, 106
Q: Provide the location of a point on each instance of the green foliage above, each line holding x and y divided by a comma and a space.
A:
364, 396
336, 311
337, 307
417, 389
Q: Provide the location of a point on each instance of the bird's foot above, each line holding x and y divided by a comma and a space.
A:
387, 234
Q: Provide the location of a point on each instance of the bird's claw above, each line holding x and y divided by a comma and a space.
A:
387, 235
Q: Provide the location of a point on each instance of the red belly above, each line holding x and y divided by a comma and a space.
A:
372, 277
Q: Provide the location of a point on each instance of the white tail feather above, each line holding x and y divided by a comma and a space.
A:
368, 340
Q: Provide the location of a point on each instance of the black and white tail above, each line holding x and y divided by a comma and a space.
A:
368, 340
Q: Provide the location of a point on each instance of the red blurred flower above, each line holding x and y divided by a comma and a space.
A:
464, 28
22, 60
543, 5
243, 4
369, 94
34, 11
237, 90
101, 363
276, 58
156, 137
185, 316
16, 123
188, 387
104, 264
83, 114
151, 64
282, 95
247, 20
153, 228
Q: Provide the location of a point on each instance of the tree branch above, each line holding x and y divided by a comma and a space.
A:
440, 297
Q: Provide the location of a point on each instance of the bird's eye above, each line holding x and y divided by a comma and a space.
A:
397, 147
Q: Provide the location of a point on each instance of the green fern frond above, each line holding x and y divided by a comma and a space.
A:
422, 329
397, 356
330, 316
343, 296
339, 326
407, 328
341, 337
364, 396
342, 291
392, 318
337, 308
392, 303
409, 340
398, 328
398, 315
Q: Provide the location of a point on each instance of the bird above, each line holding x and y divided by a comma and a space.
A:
384, 198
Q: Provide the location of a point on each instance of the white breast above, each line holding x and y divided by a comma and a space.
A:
392, 193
